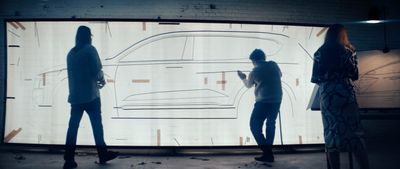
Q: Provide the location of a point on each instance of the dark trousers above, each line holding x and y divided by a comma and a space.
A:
93, 109
261, 112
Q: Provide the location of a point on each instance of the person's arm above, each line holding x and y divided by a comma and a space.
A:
352, 65
315, 71
278, 69
248, 82
96, 66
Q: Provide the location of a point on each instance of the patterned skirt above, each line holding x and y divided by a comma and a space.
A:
342, 126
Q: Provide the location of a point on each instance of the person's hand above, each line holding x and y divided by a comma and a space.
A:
241, 75
101, 83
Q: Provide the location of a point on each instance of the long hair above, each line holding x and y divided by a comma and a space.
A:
83, 37
336, 44
333, 37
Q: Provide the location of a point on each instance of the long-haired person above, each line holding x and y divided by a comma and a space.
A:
85, 78
335, 69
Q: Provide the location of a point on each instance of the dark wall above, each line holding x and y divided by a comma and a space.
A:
364, 36
2, 77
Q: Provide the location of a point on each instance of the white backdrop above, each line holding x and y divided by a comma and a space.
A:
167, 84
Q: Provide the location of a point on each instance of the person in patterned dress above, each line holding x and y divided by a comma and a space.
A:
334, 70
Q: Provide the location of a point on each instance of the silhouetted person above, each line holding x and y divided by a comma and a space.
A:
335, 69
266, 77
85, 78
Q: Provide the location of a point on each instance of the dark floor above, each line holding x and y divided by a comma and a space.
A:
382, 139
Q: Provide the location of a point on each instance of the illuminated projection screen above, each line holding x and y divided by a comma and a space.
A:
168, 84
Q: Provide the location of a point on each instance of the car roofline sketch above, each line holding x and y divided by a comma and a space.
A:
180, 34
195, 33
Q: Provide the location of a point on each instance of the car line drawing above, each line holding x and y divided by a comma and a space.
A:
189, 74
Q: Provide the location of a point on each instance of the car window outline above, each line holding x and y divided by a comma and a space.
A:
278, 43
127, 55
119, 56
121, 60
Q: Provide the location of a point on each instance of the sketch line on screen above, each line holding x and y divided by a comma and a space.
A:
176, 141
371, 72
121, 139
12, 134
179, 108
178, 104
20, 25
174, 67
13, 33
290, 99
240, 98
165, 62
179, 98
115, 89
285, 28
226, 71
305, 50
13, 25
202, 89
169, 23
188, 32
387, 73
382, 91
37, 34
397, 94
141, 81
144, 26
158, 137
321, 31
194, 45
174, 91
392, 78
184, 47
183, 118
300, 139
109, 29
372, 78
290, 88
222, 81
45, 105
139, 44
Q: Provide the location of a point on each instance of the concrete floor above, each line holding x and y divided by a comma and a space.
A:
11, 160
382, 141
385, 157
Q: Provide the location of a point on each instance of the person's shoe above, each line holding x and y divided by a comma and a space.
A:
265, 158
70, 165
110, 155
